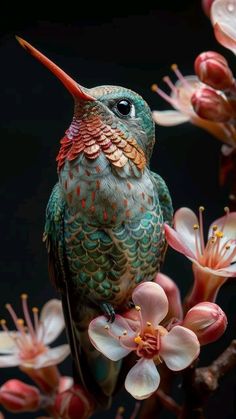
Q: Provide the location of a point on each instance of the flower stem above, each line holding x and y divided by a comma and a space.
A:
205, 288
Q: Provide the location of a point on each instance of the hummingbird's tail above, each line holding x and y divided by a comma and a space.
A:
97, 374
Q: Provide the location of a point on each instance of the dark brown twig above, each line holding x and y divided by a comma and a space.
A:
200, 383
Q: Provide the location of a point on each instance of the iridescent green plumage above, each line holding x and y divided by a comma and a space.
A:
104, 220
104, 225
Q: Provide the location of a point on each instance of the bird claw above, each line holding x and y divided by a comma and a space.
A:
108, 311
130, 305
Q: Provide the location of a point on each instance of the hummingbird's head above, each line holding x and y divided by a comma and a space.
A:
108, 120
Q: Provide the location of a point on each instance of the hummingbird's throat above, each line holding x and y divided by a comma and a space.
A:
92, 136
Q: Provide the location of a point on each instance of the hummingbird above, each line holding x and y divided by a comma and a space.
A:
104, 219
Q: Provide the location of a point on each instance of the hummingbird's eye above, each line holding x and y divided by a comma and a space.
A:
125, 108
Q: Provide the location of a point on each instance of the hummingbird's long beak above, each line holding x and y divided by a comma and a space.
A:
74, 88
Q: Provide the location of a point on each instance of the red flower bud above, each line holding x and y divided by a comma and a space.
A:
74, 403
207, 321
208, 104
212, 69
17, 396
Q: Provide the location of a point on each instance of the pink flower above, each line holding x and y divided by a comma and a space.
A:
151, 342
17, 396
219, 252
28, 346
213, 262
180, 99
207, 321
175, 311
223, 16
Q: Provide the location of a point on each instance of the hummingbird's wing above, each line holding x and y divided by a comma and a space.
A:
164, 198
165, 204
60, 277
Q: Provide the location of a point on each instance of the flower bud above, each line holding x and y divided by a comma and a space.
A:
206, 5
208, 104
207, 321
74, 403
17, 396
172, 292
212, 69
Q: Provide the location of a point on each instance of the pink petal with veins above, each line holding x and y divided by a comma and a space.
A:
107, 340
179, 348
149, 296
225, 36
52, 321
52, 356
143, 379
176, 241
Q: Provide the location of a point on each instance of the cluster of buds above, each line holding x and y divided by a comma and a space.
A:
215, 99
28, 348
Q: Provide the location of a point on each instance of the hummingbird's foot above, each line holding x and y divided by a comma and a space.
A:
130, 305
108, 311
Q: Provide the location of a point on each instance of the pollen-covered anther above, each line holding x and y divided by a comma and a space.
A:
138, 340
149, 324
227, 247
107, 327
219, 234
121, 410
174, 67
35, 309
24, 296
215, 227
20, 322
154, 87
2, 322
196, 227
138, 308
226, 210
201, 208
125, 333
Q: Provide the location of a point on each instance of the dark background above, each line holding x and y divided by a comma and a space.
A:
133, 47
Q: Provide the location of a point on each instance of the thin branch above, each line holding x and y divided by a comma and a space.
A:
200, 383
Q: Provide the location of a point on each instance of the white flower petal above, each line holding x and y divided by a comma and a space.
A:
52, 320
184, 220
52, 356
176, 241
224, 12
169, 118
223, 16
9, 361
229, 271
153, 302
225, 35
7, 344
227, 224
105, 340
143, 379
179, 348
